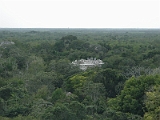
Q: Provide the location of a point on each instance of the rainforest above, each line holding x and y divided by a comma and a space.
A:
38, 81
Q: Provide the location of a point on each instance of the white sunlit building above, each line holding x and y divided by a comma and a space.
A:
84, 64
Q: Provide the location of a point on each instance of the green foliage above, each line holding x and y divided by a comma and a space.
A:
153, 104
38, 81
94, 90
132, 96
14, 98
35, 64
39, 107
69, 37
42, 93
110, 114
79, 45
7, 65
19, 118
77, 81
78, 110
58, 112
58, 95
111, 79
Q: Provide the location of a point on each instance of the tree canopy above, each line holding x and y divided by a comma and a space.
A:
38, 81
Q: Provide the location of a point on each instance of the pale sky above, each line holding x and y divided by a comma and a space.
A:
80, 13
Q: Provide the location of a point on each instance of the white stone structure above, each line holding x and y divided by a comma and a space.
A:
6, 43
84, 64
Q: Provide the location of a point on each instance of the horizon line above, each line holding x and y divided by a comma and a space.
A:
68, 28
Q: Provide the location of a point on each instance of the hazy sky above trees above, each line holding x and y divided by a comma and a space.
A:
80, 13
